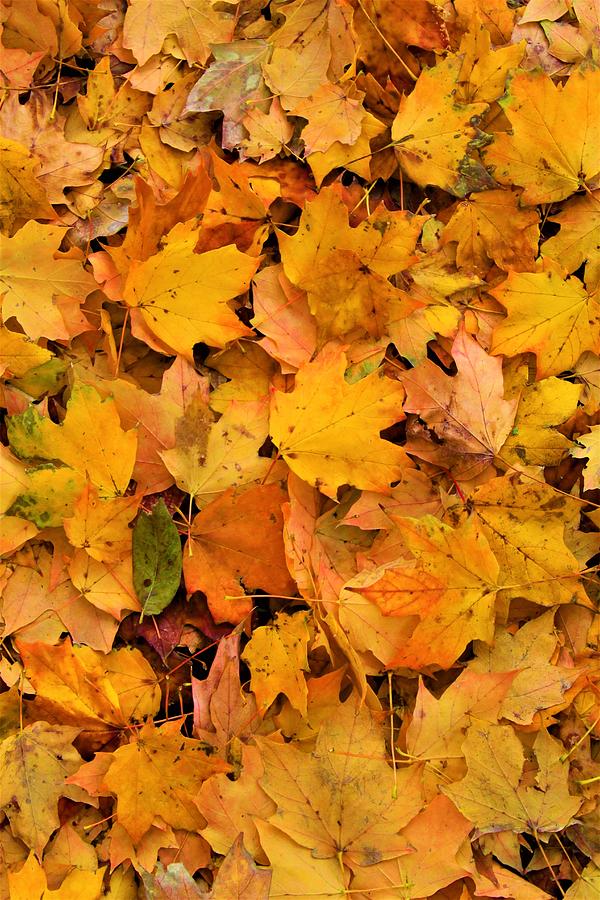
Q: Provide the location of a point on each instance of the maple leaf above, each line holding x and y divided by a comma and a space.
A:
76, 685
222, 710
30, 883
240, 878
38, 293
205, 462
335, 802
89, 421
432, 132
23, 196
18, 354
34, 765
236, 542
136, 777
467, 413
538, 684
232, 83
589, 448
101, 526
529, 546
535, 439
492, 794
553, 149
277, 658
195, 23
438, 727
231, 808
447, 594
435, 835
491, 226
343, 269
553, 318
317, 437
579, 237
163, 290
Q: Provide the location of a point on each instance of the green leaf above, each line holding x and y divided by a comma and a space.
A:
156, 559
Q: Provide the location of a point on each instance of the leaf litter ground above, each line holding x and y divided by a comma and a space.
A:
299, 459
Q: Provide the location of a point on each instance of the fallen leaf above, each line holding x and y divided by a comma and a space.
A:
589, 448
316, 436
88, 421
235, 544
552, 150
156, 559
35, 763
492, 795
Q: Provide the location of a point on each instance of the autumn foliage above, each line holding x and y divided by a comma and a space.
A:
300, 460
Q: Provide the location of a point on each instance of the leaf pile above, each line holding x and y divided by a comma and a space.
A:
300, 463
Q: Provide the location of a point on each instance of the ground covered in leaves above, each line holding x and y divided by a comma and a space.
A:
300, 453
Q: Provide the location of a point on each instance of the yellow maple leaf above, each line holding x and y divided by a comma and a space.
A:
432, 132
89, 441
183, 296
316, 425
553, 318
589, 449
528, 543
35, 278
578, 240
492, 794
23, 197
210, 457
276, 655
33, 766
553, 148
537, 683
195, 22
101, 526
141, 771
339, 800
